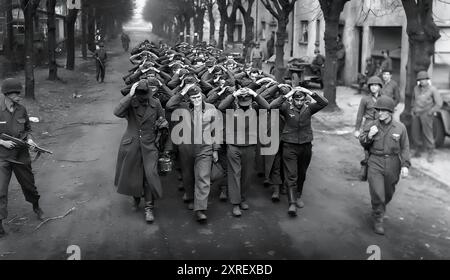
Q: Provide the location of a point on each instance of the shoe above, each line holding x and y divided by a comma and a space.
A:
292, 211
276, 193
200, 215
378, 227
237, 211
135, 204
223, 195
191, 205
430, 157
299, 203
38, 211
149, 218
244, 206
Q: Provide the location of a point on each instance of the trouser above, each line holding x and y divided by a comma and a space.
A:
422, 131
296, 160
257, 63
240, 171
100, 68
196, 161
272, 169
223, 183
25, 177
383, 175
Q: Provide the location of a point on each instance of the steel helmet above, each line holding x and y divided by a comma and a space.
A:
422, 75
374, 80
11, 85
385, 103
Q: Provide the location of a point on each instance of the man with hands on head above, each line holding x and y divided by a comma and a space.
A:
389, 157
296, 139
241, 154
137, 160
196, 157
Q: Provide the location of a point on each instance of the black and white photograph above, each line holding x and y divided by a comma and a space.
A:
244, 131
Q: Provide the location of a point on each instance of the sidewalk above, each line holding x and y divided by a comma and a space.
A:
343, 123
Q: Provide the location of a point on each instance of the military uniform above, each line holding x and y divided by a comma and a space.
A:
388, 152
15, 160
296, 137
196, 159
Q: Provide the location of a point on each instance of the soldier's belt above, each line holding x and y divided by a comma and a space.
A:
383, 154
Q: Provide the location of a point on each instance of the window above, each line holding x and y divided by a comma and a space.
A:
303, 32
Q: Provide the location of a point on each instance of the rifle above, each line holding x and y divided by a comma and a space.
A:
18, 141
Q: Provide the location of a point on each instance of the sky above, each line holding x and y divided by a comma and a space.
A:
137, 22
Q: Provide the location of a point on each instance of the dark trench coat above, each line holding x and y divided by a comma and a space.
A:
138, 155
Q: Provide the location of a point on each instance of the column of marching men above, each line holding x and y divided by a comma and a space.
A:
195, 86
205, 83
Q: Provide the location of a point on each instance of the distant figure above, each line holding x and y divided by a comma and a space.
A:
125, 41
386, 64
340, 59
318, 63
100, 60
369, 72
271, 45
256, 57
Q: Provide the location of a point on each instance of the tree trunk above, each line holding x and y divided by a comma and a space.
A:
249, 22
212, 25
9, 26
91, 29
29, 10
279, 50
70, 42
221, 34
422, 34
51, 25
84, 17
330, 71
188, 30
231, 24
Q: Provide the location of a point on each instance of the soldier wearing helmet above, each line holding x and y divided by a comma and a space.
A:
366, 113
15, 158
426, 101
387, 142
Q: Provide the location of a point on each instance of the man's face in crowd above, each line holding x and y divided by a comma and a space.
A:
196, 100
15, 97
424, 82
299, 100
374, 88
386, 76
384, 115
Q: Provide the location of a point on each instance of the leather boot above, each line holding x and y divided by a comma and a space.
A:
38, 211
291, 195
237, 211
363, 171
149, 218
135, 203
2, 230
378, 226
292, 211
276, 193
201, 216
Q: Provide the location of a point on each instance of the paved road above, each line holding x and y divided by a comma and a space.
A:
335, 224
